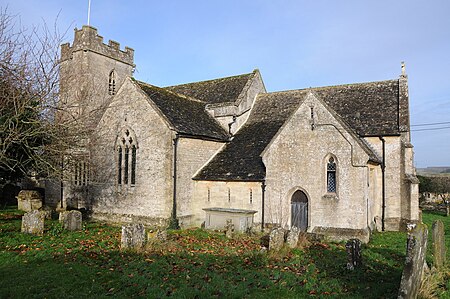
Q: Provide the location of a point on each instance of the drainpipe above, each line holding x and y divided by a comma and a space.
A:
263, 189
383, 184
173, 223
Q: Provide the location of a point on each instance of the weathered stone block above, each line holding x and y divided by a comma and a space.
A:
29, 200
416, 248
33, 223
438, 244
133, 236
292, 237
354, 256
71, 220
276, 240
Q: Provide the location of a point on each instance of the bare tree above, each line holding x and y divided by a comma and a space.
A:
31, 138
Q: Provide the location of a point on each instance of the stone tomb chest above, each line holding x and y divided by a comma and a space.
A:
216, 218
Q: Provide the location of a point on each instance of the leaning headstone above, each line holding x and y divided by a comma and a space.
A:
292, 237
71, 220
29, 200
33, 223
416, 248
354, 257
276, 239
133, 236
229, 229
438, 244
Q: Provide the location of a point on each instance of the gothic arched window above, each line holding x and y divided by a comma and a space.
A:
126, 158
112, 83
331, 175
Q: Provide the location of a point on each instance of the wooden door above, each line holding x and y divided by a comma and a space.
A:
299, 210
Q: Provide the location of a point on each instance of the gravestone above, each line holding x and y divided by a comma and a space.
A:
47, 211
29, 200
229, 229
354, 257
292, 237
71, 220
33, 223
133, 236
161, 235
438, 244
416, 248
276, 239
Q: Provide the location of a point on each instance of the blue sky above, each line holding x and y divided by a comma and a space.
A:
295, 44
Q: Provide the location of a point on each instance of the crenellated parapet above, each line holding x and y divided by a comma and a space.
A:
87, 39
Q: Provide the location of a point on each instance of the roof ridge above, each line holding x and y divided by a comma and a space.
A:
171, 92
331, 86
212, 80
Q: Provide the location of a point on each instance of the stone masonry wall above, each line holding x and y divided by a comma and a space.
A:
393, 178
192, 154
152, 194
296, 160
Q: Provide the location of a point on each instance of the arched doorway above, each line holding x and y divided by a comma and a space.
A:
299, 210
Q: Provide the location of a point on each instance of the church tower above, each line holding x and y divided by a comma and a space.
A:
91, 73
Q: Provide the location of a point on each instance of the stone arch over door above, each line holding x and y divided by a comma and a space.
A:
299, 210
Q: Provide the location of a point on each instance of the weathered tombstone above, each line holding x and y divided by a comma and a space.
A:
276, 239
29, 200
161, 235
292, 237
354, 257
133, 236
33, 223
438, 244
47, 211
71, 220
229, 229
416, 248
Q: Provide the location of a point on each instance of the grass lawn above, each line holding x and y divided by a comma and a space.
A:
191, 264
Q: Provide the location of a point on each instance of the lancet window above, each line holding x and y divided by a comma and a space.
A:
126, 159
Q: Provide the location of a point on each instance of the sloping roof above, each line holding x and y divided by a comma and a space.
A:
186, 115
368, 108
214, 91
365, 108
240, 159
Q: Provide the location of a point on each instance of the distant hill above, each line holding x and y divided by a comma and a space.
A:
434, 170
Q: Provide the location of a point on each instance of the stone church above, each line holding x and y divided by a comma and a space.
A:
333, 160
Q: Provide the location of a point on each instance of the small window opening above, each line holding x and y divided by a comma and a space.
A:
331, 175
209, 195
251, 196
112, 83
229, 195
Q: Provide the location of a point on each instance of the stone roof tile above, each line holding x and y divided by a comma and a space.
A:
186, 115
214, 91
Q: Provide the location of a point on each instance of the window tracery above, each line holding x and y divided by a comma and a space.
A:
126, 159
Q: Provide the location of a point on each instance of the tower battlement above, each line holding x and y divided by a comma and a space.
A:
87, 39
